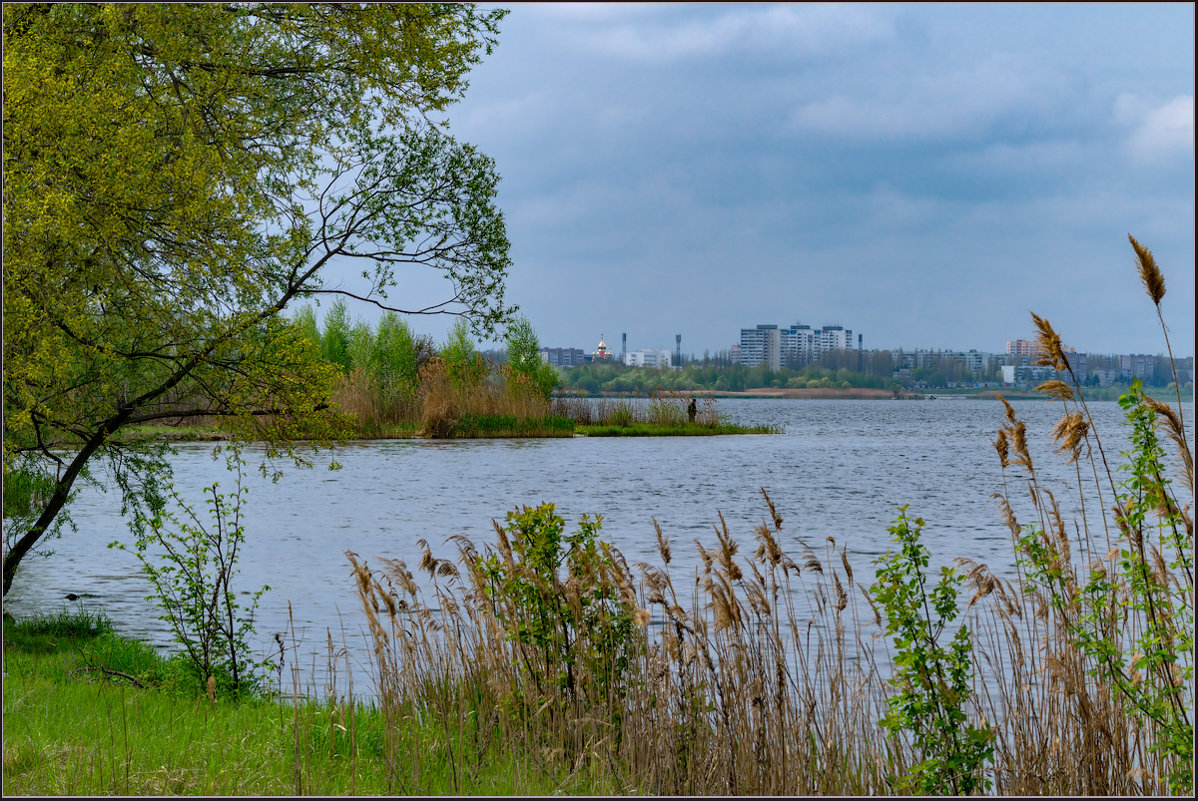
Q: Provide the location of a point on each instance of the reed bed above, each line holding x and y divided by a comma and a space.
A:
763, 673
483, 400
664, 408
716, 685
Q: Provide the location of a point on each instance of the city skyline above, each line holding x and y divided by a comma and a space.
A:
928, 174
1185, 351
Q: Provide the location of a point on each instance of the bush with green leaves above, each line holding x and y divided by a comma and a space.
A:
580, 622
191, 566
932, 680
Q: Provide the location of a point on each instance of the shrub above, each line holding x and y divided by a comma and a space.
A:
933, 681
191, 567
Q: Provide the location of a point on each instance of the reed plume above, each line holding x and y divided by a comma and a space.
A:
1150, 274
1154, 284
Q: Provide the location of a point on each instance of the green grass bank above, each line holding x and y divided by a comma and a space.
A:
90, 713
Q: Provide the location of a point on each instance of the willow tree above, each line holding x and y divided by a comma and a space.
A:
175, 175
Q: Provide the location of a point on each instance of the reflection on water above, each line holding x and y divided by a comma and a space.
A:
839, 470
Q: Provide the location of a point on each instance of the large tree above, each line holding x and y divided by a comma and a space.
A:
175, 175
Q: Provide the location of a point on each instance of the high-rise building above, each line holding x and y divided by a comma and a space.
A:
1029, 347
759, 345
796, 345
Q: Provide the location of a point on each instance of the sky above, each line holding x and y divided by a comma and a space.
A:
925, 175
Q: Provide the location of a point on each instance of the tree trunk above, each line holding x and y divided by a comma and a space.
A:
62, 491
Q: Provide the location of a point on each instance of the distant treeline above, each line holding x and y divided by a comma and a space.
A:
840, 369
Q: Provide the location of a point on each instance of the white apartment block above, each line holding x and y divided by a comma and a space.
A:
761, 345
649, 357
801, 344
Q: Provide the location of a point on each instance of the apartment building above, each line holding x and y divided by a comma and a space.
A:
798, 344
761, 345
564, 357
649, 357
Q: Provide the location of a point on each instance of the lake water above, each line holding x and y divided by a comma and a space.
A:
839, 470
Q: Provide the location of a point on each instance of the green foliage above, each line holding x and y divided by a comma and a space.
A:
29, 487
524, 357
192, 567
614, 377
932, 681
26, 489
398, 355
465, 367
584, 616
361, 344
334, 340
305, 320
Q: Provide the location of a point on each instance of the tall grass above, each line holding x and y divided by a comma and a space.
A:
663, 408
488, 401
1097, 630
726, 682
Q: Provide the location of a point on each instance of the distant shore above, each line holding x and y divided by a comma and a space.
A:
867, 393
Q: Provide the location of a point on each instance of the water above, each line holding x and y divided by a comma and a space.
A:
839, 470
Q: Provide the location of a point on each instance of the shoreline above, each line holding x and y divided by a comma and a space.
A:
855, 393
837, 393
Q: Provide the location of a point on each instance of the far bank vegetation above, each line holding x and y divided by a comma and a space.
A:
396, 383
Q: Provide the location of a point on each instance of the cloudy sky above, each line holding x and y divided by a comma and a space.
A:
925, 175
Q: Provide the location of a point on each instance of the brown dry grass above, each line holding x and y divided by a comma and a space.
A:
750, 677
664, 408
439, 403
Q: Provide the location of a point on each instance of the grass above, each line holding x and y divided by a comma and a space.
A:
506, 425
680, 430
89, 713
